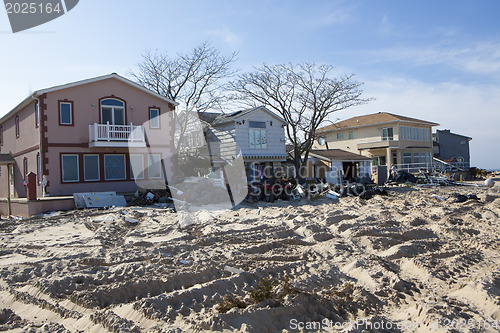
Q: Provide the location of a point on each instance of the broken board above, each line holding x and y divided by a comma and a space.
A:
98, 200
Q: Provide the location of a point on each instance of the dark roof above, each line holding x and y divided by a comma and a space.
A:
339, 154
6, 159
209, 117
446, 131
225, 118
376, 118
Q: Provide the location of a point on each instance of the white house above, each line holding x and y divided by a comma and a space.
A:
257, 134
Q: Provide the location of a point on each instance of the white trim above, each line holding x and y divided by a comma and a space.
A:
157, 117
70, 113
98, 169
77, 168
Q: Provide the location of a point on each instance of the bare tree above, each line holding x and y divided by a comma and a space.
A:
194, 80
305, 95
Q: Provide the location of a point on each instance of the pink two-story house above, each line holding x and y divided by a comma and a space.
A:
86, 136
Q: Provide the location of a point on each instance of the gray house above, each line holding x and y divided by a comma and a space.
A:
257, 133
451, 147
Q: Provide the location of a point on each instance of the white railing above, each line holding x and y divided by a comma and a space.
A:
109, 132
434, 166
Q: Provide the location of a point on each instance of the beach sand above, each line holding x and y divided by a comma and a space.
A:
406, 262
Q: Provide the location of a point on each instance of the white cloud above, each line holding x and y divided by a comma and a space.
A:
465, 109
227, 36
477, 58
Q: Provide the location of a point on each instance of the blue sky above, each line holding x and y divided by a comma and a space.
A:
434, 60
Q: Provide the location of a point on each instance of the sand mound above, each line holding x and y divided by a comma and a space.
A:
409, 258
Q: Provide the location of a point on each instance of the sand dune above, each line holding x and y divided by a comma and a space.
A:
407, 261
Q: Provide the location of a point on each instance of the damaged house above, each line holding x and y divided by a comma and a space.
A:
85, 136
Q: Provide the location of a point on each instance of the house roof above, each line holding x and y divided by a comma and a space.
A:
226, 118
339, 154
372, 119
38, 93
6, 159
209, 117
446, 131
332, 154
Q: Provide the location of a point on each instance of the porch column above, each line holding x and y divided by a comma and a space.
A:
388, 159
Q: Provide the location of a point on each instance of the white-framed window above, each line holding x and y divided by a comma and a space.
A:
136, 166
257, 134
340, 135
154, 166
70, 171
65, 113
91, 167
114, 167
387, 134
258, 138
154, 118
112, 111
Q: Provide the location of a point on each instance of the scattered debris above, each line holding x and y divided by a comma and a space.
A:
98, 200
185, 262
489, 182
233, 270
463, 198
440, 198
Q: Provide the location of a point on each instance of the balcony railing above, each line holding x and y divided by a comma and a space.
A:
108, 135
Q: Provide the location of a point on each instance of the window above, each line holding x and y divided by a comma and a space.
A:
17, 126
154, 166
415, 133
257, 124
340, 135
114, 167
1, 136
387, 134
70, 172
112, 111
37, 115
258, 139
406, 158
351, 135
136, 166
258, 136
25, 167
65, 113
154, 118
91, 168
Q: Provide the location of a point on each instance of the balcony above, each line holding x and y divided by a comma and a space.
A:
108, 135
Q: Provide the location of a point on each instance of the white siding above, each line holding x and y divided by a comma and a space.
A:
275, 135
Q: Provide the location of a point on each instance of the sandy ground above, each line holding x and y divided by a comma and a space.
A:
404, 262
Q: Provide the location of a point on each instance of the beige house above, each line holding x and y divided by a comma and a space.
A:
385, 137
